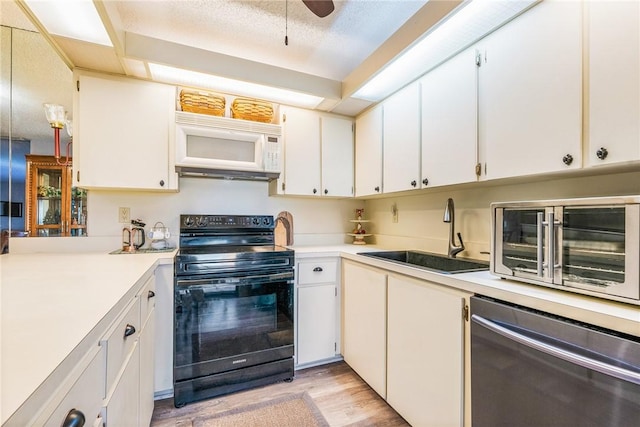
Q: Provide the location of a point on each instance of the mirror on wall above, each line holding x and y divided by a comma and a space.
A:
32, 73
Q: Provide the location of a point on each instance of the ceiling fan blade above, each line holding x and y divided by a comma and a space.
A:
321, 8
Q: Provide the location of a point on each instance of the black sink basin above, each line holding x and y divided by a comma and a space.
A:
428, 261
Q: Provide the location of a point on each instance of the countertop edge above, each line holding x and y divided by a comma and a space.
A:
43, 394
618, 316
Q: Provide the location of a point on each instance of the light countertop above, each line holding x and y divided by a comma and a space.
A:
613, 315
50, 303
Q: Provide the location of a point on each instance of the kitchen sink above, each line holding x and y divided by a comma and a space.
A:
429, 261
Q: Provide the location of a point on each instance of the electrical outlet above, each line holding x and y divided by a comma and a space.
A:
394, 213
124, 215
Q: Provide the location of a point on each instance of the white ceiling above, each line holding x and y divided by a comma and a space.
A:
330, 57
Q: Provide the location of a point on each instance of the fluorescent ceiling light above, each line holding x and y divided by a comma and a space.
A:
75, 19
469, 23
231, 86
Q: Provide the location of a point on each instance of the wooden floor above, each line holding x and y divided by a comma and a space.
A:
338, 392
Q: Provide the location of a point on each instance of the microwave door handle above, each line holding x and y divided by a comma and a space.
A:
539, 242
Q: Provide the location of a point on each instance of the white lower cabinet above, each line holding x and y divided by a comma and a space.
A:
111, 382
147, 356
85, 397
123, 404
407, 339
317, 311
425, 352
365, 324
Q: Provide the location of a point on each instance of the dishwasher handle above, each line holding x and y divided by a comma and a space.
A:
569, 356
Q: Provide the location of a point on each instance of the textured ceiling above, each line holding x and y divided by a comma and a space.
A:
330, 47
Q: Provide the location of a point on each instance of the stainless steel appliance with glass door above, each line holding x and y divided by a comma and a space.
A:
233, 316
532, 369
589, 245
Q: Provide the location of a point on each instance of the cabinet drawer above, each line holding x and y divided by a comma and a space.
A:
321, 271
147, 300
86, 394
120, 340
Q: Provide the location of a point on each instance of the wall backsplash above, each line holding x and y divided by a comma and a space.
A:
326, 221
420, 224
315, 221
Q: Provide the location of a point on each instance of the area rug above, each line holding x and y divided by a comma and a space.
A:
297, 410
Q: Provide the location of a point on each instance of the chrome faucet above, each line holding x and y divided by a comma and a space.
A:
449, 216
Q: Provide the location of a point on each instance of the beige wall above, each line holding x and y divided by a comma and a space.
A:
315, 221
420, 223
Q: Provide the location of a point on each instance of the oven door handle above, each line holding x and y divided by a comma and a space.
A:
240, 281
569, 356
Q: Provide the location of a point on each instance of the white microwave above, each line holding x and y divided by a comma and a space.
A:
227, 148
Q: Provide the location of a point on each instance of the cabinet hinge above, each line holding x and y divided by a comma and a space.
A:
283, 186
478, 169
465, 312
78, 85
478, 59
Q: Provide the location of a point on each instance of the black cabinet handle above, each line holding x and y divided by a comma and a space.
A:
425, 181
74, 418
315, 191
129, 330
568, 159
162, 183
326, 191
602, 153
377, 189
151, 294
414, 183
318, 269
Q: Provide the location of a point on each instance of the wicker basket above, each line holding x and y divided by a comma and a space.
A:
193, 101
252, 109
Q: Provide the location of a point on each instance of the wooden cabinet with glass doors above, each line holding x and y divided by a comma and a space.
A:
54, 208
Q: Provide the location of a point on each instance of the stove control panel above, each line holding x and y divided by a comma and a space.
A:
191, 222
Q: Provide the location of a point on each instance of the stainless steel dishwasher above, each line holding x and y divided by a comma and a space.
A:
530, 368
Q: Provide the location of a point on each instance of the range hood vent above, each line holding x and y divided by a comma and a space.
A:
243, 175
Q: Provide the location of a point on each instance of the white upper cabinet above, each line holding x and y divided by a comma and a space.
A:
530, 93
614, 82
302, 151
318, 159
449, 122
123, 133
401, 140
369, 152
337, 156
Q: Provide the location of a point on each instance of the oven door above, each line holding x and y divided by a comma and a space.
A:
223, 324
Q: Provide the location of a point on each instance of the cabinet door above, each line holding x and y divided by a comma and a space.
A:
86, 394
530, 93
337, 157
449, 122
316, 323
614, 82
302, 152
163, 377
147, 369
425, 353
123, 403
401, 140
365, 324
122, 137
369, 152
